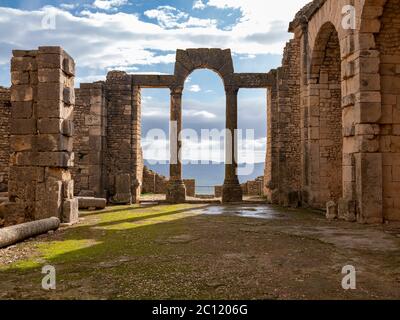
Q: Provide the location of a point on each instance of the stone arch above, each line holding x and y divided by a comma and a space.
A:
325, 119
217, 60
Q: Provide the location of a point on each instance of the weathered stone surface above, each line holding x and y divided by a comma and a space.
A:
70, 213
91, 202
331, 210
40, 184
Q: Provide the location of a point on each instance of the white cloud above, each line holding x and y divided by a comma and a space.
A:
109, 4
68, 6
171, 18
196, 114
198, 4
101, 41
195, 88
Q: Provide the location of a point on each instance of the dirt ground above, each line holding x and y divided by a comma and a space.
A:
205, 252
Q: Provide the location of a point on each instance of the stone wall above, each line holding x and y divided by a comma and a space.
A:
41, 127
156, 183
254, 187
90, 143
124, 158
388, 44
325, 137
5, 114
283, 163
190, 185
340, 87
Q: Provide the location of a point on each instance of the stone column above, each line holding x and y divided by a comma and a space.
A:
42, 96
231, 192
176, 191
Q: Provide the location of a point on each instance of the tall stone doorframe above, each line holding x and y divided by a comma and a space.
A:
41, 130
217, 60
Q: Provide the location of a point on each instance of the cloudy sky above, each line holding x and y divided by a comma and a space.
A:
141, 36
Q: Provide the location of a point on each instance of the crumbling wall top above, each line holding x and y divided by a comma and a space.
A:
306, 13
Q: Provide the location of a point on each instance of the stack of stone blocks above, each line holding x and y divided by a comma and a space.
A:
5, 112
42, 98
90, 143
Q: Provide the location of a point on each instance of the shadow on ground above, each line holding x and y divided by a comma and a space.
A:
203, 252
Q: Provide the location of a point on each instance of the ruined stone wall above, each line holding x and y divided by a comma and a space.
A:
90, 121
271, 173
5, 115
283, 161
288, 79
42, 97
325, 137
190, 185
388, 44
253, 187
154, 182
120, 162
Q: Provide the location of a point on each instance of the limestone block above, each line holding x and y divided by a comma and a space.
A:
23, 64
54, 142
123, 189
21, 93
69, 96
49, 60
18, 78
347, 210
70, 213
23, 126
50, 75
51, 91
91, 202
331, 210
22, 143
68, 189
22, 110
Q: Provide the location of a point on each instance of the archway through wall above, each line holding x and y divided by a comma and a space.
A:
203, 123
252, 125
325, 120
154, 140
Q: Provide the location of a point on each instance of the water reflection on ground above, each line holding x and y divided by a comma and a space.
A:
248, 211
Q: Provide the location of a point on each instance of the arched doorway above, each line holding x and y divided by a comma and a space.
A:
203, 124
325, 119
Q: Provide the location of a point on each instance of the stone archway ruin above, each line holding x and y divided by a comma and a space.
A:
313, 154
187, 61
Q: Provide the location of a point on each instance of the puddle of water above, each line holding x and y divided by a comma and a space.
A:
257, 212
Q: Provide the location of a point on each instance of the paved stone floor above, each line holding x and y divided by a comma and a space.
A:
205, 252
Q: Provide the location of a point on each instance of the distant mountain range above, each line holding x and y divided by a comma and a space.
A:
207, 175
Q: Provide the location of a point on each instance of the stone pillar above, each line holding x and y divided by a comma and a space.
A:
90, 119
271, 172
231, 192
123, 131
176, 191
42, 97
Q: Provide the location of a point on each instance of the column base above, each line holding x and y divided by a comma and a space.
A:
176, 192
232, 192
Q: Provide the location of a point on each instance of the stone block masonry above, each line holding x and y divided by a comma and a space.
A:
90, 140
158, 184
124, 160
5, 113
41, 130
